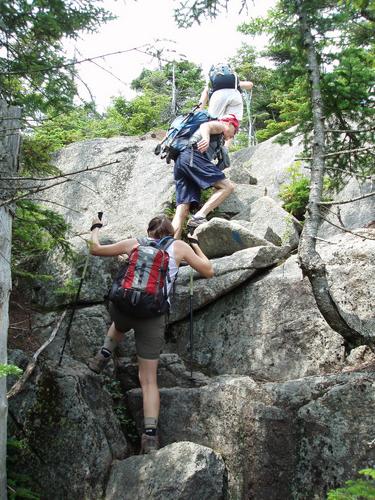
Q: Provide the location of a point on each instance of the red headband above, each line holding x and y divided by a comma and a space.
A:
231, 119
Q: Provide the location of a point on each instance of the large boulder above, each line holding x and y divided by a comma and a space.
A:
268, 163
61, 289
87, 329
352, 215
269, 328
269, 221
67, 419
350, 264
221, 415
294, 439
132, 187
333, 431
219, 237
230, 272
180, 471
241, 199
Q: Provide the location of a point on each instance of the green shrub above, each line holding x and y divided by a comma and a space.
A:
295, 195
19, 485
6, 370
356, 489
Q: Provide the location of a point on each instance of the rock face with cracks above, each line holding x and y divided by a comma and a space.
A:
182, 470
264, 405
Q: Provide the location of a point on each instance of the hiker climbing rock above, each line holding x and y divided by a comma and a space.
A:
139, 301
194, 171
222, 93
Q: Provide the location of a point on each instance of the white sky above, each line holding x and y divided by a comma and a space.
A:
145, 21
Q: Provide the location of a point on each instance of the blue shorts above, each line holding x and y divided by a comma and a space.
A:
191, 179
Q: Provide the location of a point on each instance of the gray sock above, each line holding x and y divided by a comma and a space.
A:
108, 347
151, 424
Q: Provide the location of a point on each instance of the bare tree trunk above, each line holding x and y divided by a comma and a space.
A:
174, 102
9, 148
311, 263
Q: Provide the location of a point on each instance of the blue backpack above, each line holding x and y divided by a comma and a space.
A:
179, 134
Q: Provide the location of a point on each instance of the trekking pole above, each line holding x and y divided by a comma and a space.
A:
67, 333
191, 322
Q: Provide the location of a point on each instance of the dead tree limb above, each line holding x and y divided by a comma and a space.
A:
18, 386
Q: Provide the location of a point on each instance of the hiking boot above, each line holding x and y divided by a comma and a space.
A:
194, 222
149, 444
98, 363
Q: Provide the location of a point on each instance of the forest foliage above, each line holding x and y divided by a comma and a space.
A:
36, 75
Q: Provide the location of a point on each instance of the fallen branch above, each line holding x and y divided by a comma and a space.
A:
17, 387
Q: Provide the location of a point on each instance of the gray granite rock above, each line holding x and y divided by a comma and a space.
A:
70, 431
181, 470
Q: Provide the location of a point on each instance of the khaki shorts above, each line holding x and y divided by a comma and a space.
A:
149, 333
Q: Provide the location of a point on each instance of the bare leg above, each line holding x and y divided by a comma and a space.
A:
103, 356
223, 189
150, 391
114, 334
182, 211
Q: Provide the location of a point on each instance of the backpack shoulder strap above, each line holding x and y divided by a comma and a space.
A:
165, 242
144, 241
162, 244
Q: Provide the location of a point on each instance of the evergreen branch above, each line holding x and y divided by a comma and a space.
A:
348, 172
339, 131
67, 65
31, 192
110, 73
38, 189
87, 169
344, 151
58, 204
347, 201
346, 230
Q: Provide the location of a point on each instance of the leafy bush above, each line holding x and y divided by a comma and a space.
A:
19, 485
295, 195
6, 370
36, 232
356, 489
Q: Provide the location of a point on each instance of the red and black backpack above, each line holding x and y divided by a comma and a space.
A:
140, 288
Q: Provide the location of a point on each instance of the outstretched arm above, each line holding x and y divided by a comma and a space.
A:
203, 100
246, 85
111, 250
194, 257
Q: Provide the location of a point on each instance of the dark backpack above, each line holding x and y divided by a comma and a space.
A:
179, 134
140, 288
222, 77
